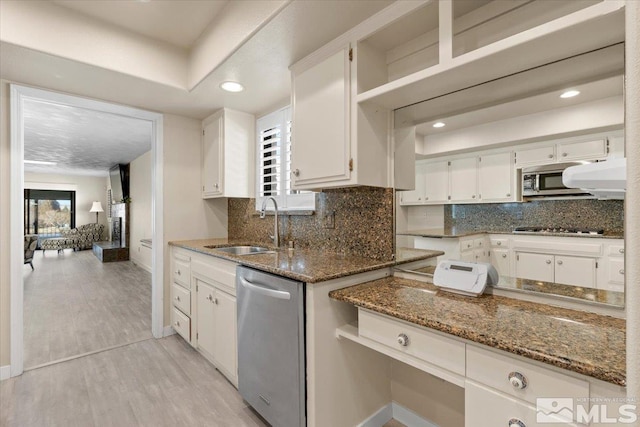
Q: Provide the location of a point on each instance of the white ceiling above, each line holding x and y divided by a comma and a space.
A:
179, 23
261, 64
81, 141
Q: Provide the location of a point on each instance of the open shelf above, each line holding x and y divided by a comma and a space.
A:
591, 28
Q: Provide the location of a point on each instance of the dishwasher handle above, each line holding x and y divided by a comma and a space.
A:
264, 290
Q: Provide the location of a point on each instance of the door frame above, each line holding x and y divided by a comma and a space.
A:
18, 94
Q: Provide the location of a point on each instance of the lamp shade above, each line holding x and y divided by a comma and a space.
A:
96, 207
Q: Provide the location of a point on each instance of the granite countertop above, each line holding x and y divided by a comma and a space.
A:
305, 265
454, 232
586, 343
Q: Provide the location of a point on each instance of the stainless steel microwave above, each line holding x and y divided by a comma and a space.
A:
546, 181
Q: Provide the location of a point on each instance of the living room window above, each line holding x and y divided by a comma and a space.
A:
274, 164
48, 212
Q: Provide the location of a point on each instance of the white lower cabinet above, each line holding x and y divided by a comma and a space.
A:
565, 270
534, 266
204, 312
501, 260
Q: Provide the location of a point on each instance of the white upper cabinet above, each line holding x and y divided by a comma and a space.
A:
321, 149
580, 150
436, 182
528, 155
416, 196
464, 179
227, 154
566, 151
495, 177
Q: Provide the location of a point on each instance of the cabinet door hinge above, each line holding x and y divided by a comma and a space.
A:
596, 264
351, 54
202, 132
197, 335
517, 257
448, 163
607, 145
196, 288
351, 165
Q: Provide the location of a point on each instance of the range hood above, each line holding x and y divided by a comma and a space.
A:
605, 180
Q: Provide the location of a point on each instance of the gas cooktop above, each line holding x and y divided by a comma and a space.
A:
557, 230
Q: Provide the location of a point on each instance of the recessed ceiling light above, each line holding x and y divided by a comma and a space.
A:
438, 125
570, 94
231, 86
39, 162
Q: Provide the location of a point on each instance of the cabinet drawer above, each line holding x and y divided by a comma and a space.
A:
182, 272
493, 370
422, 344
484, 408
181, 323
181, 298
221, 271
499, 242
466, 245
479, 243
616, 250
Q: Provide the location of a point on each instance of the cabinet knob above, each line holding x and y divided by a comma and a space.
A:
504, 255
508, 194
564, 154
499, 243
296, 172
515, 422
473, 197
215, 301
559, 262
177, 298
550, 156
548, 261
518, 380
177, 323
178, 272
419, 198
621, 250
426, 198
403, 340
215, 185
210, 297
621, 271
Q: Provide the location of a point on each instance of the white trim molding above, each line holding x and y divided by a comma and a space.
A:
18, 94
5, 372
168, 331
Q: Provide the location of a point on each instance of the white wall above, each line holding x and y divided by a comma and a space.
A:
5, 285
88, 189
186, 214
140, 209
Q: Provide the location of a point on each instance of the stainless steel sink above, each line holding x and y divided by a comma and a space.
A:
242, 250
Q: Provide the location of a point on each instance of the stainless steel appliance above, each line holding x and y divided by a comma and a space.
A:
546, 181
542, 230
271, 346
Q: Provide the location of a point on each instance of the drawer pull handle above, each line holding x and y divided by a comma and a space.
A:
403, 340
621, 271
518, 380
515, 422
621, 251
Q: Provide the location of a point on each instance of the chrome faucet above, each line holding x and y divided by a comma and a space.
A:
263, 212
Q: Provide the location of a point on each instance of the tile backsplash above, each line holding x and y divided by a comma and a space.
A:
362, 223
604, 214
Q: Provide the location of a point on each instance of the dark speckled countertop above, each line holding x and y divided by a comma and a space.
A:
453, 232
586, 343
305, 265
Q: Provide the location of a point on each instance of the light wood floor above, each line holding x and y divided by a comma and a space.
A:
74, 304
151, 383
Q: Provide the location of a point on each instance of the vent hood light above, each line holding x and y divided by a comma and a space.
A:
231, 86
570, 94
39, 162
438, 125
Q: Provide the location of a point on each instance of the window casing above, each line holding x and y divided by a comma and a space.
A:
273, 154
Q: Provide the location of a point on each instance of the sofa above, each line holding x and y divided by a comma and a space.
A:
78, 238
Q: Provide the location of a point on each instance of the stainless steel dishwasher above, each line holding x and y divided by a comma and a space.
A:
271, 346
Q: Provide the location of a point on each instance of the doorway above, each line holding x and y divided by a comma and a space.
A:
18, 96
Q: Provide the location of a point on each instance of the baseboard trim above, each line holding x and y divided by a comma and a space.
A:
397, 412
168, 331
145, 267
408, 417
5, 372
379, 418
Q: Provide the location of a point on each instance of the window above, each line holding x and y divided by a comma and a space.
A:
274, 164
48, 212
